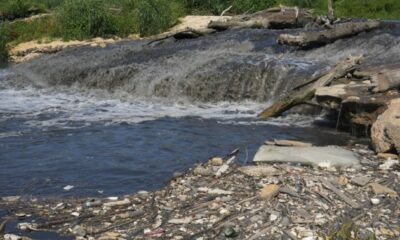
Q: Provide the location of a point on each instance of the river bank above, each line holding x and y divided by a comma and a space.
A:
220, 199
240, 59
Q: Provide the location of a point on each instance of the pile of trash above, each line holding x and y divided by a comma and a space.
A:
220, 199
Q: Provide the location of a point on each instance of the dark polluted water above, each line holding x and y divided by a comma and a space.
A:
106, 147
125, 158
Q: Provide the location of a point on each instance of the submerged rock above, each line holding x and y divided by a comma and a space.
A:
329, 156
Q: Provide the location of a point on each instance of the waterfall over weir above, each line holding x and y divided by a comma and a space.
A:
234, 65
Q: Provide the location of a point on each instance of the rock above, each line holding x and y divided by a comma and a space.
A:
380, 189
259, 171
217, 161
361, 180
269, 191
230, 232
75, 214
273, 217
375, 201
15, 237
202, 171
78, 231
385, 132
330, 156
92, 203
387, 79
342, 180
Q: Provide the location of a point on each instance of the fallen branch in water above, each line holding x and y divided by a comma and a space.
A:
306, 92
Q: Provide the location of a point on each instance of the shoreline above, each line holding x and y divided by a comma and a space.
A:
220, 199
244, 202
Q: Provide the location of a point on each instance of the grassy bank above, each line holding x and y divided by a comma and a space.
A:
83, 19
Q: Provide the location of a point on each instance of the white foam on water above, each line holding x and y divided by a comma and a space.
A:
49, 108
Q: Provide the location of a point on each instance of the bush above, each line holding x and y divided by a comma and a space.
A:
13, 9
319, 6
238, 6
3, 45
243, 6
156, 16
382, 9
82, 19
23, 31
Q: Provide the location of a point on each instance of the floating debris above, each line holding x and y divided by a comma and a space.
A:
68, 187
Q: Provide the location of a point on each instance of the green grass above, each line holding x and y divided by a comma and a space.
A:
82, 19
13, 9
156, 16
23, 31
379, 9
217, 6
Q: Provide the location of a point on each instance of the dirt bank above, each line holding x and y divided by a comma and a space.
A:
30, 50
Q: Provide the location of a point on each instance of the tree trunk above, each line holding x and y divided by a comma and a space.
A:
331, 15
307, 39
275, 18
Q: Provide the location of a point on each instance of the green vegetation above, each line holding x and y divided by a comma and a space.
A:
23, 31
13, 9
217, 6
3, 45
381, 9
156, 16
82, 19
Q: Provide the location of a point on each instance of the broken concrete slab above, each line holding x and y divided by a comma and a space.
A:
328, 156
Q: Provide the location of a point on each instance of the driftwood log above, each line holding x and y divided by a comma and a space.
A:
342, 30
188, 33
387, 79
275, 18
306, 92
